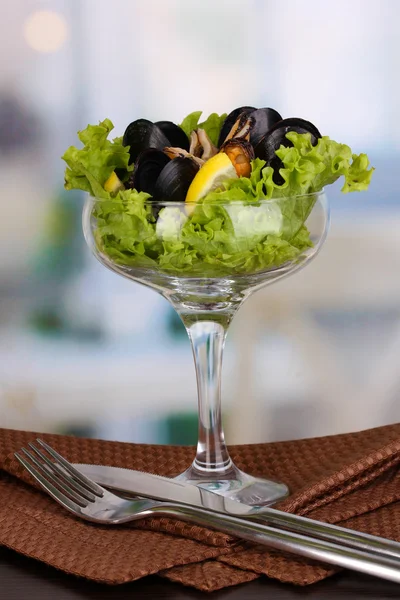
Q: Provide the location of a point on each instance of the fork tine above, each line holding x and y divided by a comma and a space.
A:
63, 474
47, 486
91, 485
54, 480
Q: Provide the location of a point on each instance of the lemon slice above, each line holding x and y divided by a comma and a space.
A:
210, 176
113, 183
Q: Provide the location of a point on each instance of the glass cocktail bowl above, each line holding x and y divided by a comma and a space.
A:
206, 260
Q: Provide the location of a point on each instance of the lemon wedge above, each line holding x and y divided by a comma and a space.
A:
113, 183
210, 176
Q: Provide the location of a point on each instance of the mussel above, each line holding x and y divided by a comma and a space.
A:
264, 120
162, 177
174, 180
276, 137
179, 153
201, 146
209, 149
241, 154
241, 128
176, 136
195, 147
141, 135
148, 167
231, 120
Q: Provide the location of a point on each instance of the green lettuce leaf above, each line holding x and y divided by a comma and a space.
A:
126, 229
306, 169
212, 125
213, 240
90, 167
190, 122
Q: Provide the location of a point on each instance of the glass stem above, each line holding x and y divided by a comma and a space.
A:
208, 340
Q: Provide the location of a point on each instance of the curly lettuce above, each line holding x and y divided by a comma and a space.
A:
213, 240
89, 167
212, 125
306, 169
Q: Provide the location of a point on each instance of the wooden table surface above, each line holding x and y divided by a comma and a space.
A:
24, 579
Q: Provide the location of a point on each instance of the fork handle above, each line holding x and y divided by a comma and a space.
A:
328, 532
287, 541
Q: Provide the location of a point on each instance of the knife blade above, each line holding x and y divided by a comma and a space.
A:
138, 483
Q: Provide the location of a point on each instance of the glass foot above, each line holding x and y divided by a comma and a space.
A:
237, 485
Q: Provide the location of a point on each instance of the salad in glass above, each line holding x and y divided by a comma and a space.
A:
206, 213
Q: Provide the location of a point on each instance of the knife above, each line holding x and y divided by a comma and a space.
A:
137, 483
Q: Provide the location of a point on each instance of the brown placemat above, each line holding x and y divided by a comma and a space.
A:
351, 479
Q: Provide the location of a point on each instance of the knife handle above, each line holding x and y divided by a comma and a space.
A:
338, 555
328, 532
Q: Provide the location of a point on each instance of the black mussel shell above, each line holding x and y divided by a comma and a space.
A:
177, 137
141, 135
175, 179
264, 120
230, 120
276, 137
148, 167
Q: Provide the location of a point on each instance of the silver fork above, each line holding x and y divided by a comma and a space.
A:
88, 500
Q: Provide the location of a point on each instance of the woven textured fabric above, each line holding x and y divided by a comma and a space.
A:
351, 479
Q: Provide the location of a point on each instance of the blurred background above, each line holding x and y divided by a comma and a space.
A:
84, 351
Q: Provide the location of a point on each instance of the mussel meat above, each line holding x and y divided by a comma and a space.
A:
174, 180
241, 128
208, 148
264, 120
180, 153
141, 135
241, 154
148, 167
276, 137
231, 120
176, 136
201, 147
195, 147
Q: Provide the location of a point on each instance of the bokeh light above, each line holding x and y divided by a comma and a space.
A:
45, 31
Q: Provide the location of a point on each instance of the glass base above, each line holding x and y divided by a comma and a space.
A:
237, 485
